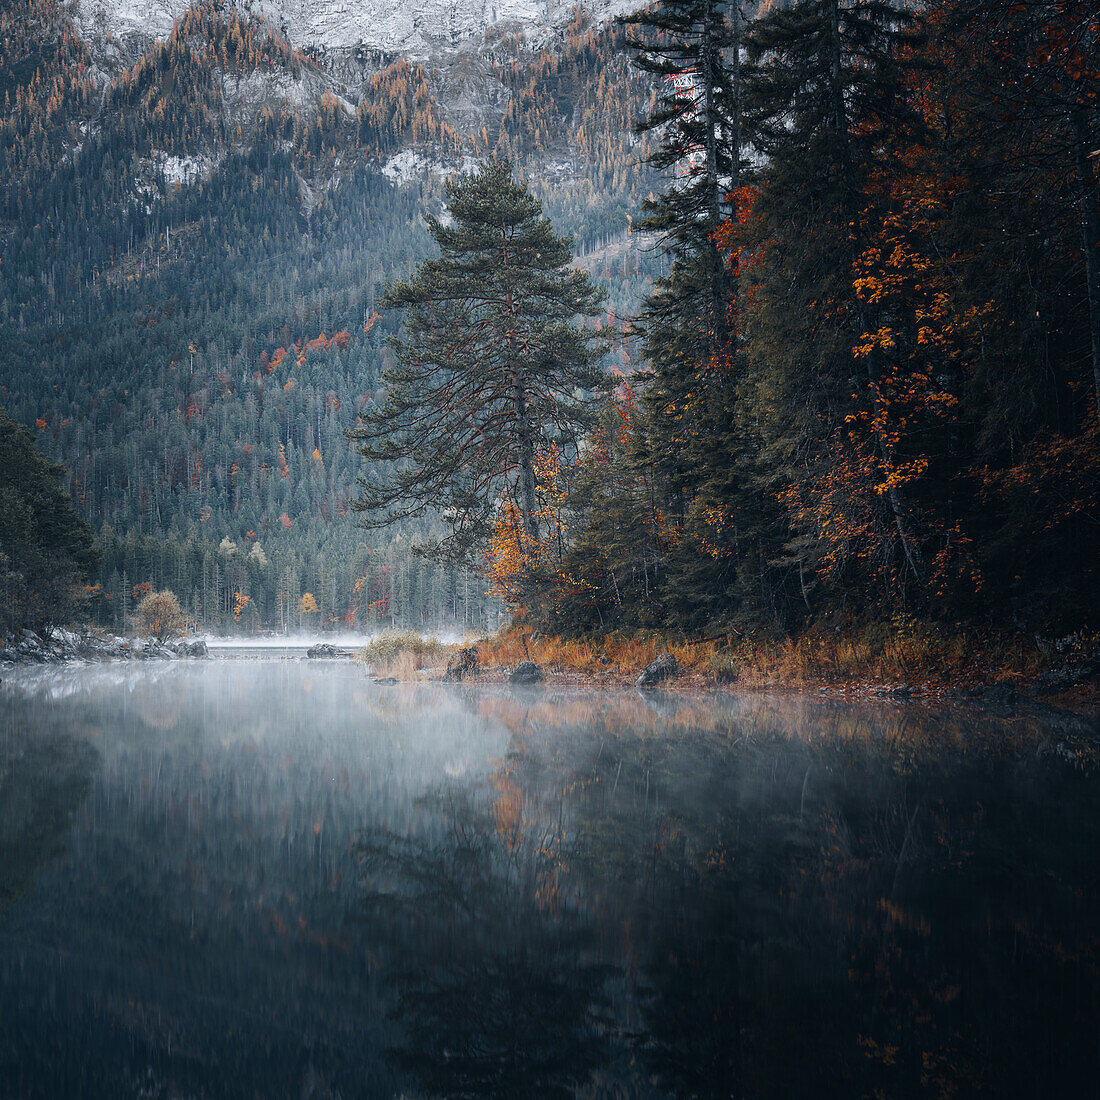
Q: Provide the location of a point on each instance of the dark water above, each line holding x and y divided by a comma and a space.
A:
275, 879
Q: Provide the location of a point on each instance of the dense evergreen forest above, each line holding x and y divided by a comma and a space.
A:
194, 243
870, 373
852, 256
46, 549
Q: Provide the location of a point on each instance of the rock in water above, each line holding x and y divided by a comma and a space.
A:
1062, 679
462, 664
662, 669
322, 650
526, 672
1001, 694
149, 649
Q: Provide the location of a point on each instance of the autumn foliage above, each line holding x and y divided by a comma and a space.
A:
159, 615
895, 410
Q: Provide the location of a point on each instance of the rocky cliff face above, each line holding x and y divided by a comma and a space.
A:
416, 29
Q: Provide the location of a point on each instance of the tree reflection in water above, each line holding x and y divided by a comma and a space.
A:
694, 903
43, 781
600, 896
499, 985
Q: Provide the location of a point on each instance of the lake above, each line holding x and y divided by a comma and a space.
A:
275, 878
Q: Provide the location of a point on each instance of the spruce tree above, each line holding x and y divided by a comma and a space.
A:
492, 367
692, 46
688, 322
824, 86
693, 431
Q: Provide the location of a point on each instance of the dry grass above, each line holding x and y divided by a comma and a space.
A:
912, 652
623, 655
403, 654
918, 652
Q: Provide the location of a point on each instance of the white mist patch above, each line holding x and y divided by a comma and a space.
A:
353, 641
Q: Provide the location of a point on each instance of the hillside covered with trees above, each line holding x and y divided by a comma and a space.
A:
195, 238
851, 254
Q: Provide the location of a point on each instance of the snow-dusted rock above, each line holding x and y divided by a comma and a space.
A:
413, 28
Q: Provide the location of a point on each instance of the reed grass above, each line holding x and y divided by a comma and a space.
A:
403, 654
916, 651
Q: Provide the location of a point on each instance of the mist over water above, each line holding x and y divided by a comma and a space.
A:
277, 878
351, 640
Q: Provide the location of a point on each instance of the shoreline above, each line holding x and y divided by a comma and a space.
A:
997, 694
1067, 685
85, 646
921, 663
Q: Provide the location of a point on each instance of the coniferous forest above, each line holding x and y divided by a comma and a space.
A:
848, 262
867, 383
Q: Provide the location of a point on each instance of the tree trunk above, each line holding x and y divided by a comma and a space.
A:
1090, 231
714, 189
837, 109
899, 507
735, 162
528, 502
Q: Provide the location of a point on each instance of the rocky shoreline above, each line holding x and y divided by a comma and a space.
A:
29, 648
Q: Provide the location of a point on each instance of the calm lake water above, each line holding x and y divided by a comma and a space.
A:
273, 878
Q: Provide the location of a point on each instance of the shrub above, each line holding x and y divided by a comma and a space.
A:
402, 653
160, 616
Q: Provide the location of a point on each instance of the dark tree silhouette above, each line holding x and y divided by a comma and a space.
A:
492, 367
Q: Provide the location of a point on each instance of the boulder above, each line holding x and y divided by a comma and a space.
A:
463, 663
323, 649
1062, 679
151, 650
526, 672
385, 679
1001, 694
196, 648
662, 669
100, 648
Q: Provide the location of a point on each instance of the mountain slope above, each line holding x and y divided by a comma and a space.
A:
426, 28
195, 234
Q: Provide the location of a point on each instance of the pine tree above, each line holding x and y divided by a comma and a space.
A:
824, 85
688, 322
492, 367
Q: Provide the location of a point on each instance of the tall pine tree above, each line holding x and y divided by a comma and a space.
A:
492, 369
824, 87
